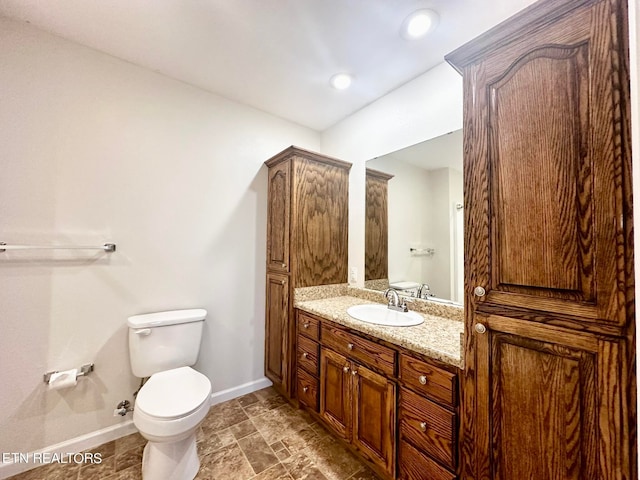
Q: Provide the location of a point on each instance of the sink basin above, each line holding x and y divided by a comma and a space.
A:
381, 315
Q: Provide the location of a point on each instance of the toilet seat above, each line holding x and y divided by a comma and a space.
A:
173, 394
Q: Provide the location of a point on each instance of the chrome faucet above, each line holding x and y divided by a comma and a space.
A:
394, 301
424, 291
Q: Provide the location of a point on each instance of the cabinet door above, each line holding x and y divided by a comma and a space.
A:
549, 388
549, 403
547, 168
335, 392
374, 416
276, 331
278, 216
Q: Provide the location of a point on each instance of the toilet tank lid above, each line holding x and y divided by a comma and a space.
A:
173, 317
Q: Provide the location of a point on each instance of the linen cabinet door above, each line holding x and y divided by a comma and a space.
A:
335, 392
277, 330
374, 416
548, 403
278, 217
547, 177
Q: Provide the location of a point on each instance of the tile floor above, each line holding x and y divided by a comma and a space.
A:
258, 436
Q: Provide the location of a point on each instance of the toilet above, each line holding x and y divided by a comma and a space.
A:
175, 399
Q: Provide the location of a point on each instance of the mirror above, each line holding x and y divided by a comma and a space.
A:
423, 218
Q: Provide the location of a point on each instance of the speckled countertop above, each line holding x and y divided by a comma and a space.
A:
437, 337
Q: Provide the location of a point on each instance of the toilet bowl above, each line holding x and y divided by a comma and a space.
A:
167, 412
175, 399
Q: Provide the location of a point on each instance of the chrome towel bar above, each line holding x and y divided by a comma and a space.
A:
107, 247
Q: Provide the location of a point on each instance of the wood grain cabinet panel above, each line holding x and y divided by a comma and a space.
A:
376, 245
429, 427
278, 215
374, 415
428, 380
308, 326
307, 390
415, 465
307, 237
549, 383
277, 334
335, 392
308, 355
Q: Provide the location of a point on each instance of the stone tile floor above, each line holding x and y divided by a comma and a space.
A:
258, 436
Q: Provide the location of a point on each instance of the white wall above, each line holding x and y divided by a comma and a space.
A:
95, 149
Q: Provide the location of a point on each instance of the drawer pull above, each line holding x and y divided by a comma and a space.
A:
305, 355
422, 379
350, 346
305, 325
284, 265
345, 369
423, 426
281, 282
354, 372
306, 389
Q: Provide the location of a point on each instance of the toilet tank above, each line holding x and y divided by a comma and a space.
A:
164, 340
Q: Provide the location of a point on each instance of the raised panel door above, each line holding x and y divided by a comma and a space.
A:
277, 330
374, 416
335, 392
278, 217
546, 205
549, 404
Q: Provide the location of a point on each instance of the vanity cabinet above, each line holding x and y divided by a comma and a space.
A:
307, 239
395, 408
549, 382
357, 403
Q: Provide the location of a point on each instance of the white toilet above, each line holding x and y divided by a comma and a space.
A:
175, 400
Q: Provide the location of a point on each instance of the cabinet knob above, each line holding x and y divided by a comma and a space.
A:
305, 355
281, 282
305, 325
284, 265
305, 389
480, 328
479, 291
422, 379
354, 372
345, 369
350, 346
423, 426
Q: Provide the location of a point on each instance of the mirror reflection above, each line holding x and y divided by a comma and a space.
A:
414, 237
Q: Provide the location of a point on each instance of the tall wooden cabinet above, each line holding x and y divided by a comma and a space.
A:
307, 236
549, 382
376, 245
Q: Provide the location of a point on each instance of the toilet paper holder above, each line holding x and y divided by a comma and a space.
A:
83, 371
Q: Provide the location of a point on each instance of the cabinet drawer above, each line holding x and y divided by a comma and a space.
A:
308, 326
428, 426
359, 349
307, 390
308, 353
414, 465
425, 378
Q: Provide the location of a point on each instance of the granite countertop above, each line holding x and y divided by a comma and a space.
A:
437, 337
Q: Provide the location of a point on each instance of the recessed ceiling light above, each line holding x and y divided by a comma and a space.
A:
419, 23
341, 81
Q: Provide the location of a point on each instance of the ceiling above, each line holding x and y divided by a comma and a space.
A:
274, 55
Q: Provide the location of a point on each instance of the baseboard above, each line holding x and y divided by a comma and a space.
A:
98, 437
74, 445
235, 392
